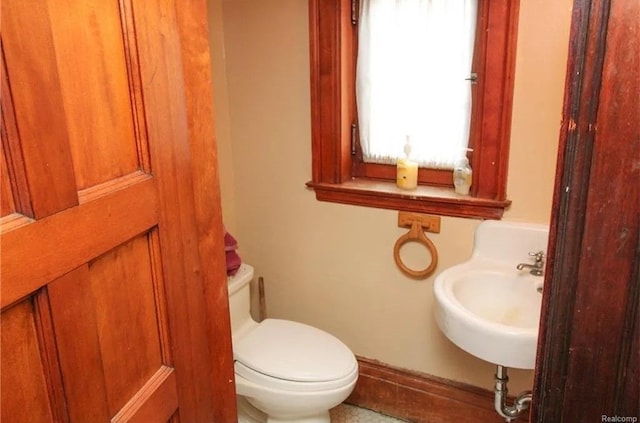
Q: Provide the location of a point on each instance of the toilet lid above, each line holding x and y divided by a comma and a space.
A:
294, 351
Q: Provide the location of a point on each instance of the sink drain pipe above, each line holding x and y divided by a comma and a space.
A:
521, 403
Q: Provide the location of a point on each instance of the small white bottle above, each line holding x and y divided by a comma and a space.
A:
462, 176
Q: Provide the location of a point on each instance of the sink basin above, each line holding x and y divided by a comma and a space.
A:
485, 305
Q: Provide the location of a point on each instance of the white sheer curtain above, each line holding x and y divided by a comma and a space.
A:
414, 58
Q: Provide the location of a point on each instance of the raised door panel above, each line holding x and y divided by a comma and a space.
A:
23, 385
129, 318
95, 90
40, 118
112, 335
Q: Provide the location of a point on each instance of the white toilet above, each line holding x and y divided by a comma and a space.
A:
288, 371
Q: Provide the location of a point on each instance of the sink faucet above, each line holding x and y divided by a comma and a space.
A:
537, 268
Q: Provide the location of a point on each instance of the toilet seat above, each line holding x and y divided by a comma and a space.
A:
272, 383
293, 356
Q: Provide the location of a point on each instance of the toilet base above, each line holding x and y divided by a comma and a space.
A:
247, 413
319, 418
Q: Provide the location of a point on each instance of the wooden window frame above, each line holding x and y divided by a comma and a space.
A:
338, 174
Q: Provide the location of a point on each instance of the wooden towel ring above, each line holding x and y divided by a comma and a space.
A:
416, 234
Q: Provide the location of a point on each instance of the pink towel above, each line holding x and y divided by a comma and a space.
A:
233, 259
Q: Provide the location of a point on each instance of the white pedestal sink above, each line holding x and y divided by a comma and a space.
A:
485, 305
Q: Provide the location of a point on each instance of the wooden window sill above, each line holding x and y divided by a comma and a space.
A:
424, 199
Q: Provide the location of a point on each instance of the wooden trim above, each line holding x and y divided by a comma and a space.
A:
564, 239
493, 97
178, 103
135, 83
420, 398
192, 20
332, 107
13, 221
50, 357
16, 173
155, 402
435, 177
424, 199
332, 54
588, 363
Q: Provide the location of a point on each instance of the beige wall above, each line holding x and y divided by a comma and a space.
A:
331, 265
221, 107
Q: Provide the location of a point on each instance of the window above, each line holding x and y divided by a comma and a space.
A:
411, 87
340, 174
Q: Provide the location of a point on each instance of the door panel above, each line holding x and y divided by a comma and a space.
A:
38, 107
105, 312
121, 282
23, 385
103, 145
78, 346
110, 325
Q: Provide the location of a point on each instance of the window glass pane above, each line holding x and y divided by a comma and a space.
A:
414, 61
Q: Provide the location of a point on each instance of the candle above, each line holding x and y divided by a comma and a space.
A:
407, 174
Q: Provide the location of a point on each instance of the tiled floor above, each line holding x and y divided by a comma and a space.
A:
345, 413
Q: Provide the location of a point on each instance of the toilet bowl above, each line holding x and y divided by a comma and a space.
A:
289, 371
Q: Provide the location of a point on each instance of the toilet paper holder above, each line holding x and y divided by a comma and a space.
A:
418, 224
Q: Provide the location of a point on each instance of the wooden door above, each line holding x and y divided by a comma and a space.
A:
588, 366
113, 289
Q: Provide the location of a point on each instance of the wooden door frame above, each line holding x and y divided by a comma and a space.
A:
194, 41
571, 311
206, 388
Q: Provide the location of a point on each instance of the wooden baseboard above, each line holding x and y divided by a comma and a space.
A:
420, 398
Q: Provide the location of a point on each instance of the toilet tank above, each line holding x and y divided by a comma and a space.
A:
238, 286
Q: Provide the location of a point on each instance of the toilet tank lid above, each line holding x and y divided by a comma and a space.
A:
294, 351
242, 277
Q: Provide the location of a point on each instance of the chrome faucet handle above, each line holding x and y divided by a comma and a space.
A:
539, 256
